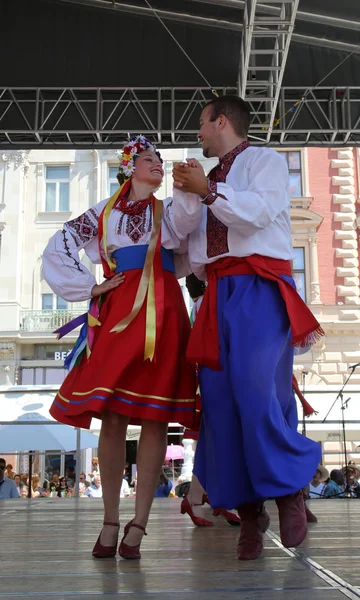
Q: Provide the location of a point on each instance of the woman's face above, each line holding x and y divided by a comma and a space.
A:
17, 480
148, 169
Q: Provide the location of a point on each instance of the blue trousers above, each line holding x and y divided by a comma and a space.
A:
249, 448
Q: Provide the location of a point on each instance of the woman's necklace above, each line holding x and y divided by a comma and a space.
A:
136, 208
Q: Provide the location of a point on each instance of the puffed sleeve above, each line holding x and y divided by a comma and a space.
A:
63, 270
256, 208
183, 213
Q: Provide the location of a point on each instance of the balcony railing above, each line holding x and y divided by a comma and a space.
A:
46, 320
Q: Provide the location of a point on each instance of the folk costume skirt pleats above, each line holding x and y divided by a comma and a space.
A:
116, 377
249, 448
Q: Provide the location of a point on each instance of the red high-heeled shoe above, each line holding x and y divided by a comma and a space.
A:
100, 551
127, 551
230, 517
186, 507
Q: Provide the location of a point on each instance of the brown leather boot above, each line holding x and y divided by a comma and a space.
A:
292, 517
253, 521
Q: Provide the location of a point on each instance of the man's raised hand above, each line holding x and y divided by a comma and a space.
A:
190, 177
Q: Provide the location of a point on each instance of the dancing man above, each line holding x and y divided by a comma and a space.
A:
237, 223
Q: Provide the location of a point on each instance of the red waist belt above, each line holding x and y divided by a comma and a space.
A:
203, 346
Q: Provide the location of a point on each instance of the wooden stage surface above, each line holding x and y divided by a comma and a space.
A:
45, 552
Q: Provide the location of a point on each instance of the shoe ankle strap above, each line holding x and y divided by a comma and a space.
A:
113, 524
138, 527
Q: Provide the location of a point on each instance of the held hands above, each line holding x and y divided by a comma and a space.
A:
107, 285
190, 177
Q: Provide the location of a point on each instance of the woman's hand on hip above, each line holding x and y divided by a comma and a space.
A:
108, 285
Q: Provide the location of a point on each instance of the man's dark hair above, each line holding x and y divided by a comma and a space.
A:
233, 108
3, 462
195, 286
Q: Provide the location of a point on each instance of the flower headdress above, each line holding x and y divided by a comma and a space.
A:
131, 151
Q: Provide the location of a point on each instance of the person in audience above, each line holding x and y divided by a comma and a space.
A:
95, 468
125, 489
24, 478
54, 483
82, 490
24, 491
9, 471
317, 485
164, 487
335, 487
95, 491
7, 485
82, 479
18, 483
351, 475
63, 488
36, 490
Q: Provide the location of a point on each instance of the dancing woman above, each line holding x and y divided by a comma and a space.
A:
125, 367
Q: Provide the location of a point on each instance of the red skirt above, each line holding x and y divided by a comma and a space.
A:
193, 433
116, 377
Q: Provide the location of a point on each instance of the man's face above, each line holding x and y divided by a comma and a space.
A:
2, 470
82, 478
208, 132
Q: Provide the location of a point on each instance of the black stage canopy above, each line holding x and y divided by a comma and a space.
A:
88, 73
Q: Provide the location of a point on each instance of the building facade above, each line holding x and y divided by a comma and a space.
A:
41, 189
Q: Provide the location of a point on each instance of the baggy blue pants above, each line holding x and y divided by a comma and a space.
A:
249, 448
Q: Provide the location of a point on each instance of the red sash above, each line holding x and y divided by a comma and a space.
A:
203, 346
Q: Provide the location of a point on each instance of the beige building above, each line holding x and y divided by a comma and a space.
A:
40, 189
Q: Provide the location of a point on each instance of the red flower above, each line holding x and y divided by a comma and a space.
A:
127, 149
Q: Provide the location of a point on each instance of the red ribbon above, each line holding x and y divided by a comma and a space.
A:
307, 409
203, 346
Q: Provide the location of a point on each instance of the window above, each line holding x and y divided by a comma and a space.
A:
299, 271
52, 302
61, 304
293, 160
113, 182
42, 375
57, 189
47, 301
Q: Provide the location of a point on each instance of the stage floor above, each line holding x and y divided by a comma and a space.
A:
45, 552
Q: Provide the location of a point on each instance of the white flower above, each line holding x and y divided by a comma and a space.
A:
128, 169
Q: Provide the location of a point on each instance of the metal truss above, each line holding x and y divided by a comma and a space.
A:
196, 19
105, 117
262, 68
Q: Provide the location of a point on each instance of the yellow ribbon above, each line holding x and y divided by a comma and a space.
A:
108, 208
146, 287
92, 322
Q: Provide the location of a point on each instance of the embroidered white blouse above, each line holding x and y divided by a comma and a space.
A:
256, 211
68, 277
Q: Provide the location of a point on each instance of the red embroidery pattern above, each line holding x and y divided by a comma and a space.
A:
83, 228
216, 231
136, 225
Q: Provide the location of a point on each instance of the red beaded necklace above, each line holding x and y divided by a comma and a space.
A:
132, 209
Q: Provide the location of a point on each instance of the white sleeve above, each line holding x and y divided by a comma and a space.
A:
63, 271
266, 197
183, 213
182, 265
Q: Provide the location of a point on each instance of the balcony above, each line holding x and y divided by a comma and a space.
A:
46, 320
